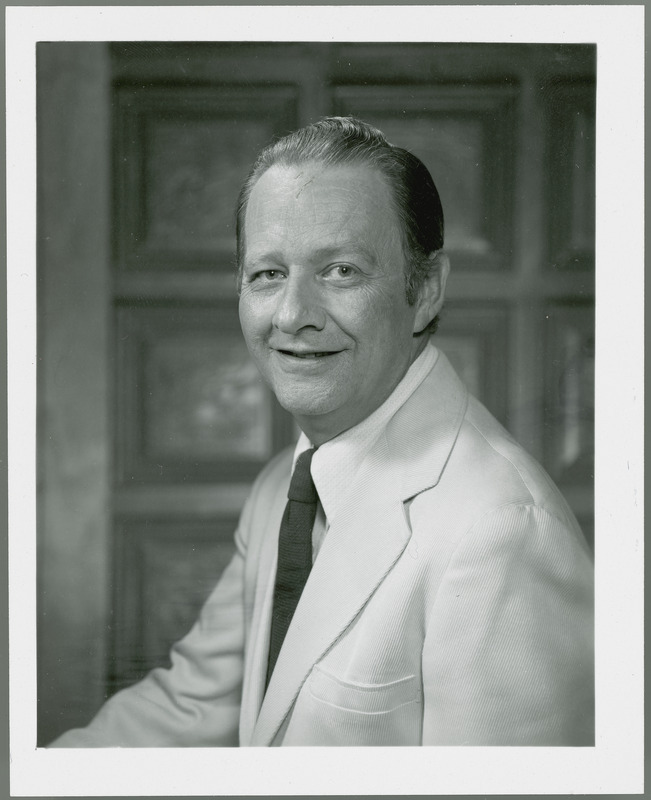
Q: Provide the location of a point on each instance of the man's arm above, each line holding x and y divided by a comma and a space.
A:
194, 703
508, 656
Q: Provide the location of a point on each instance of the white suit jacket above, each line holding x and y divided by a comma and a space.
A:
450, 604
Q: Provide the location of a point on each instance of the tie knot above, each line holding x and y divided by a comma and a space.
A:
301, 487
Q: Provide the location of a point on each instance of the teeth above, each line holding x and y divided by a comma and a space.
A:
305, 355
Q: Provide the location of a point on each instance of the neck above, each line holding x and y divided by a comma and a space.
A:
320, 429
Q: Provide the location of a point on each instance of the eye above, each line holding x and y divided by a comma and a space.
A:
266, 276
341, 272
269, 274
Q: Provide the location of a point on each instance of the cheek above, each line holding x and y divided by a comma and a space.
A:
252, 317
381, 317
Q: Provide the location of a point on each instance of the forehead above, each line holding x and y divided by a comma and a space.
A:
320, 201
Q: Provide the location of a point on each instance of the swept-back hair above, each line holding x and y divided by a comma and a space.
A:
334, 141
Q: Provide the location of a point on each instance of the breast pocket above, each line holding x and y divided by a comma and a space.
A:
333, 711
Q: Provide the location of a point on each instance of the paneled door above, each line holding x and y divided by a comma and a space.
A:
508, 134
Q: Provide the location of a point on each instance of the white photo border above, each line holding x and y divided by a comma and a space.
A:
616, 763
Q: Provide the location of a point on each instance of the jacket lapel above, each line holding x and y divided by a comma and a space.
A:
423, 432
257, 653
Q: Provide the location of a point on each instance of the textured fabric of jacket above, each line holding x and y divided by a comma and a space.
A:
450, 604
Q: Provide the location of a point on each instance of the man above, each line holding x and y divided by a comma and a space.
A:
427, 583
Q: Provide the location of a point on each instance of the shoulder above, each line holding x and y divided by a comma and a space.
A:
491, 489
502, 471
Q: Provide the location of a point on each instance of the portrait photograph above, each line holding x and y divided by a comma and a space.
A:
325, 400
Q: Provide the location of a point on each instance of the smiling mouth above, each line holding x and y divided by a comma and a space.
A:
308, 355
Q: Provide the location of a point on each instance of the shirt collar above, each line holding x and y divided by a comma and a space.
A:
336, 462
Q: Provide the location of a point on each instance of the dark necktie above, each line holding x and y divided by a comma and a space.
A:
294, 553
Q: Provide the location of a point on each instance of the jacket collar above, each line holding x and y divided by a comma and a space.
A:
421, 436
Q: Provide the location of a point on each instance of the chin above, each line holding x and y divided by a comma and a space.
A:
304, 409
305, 405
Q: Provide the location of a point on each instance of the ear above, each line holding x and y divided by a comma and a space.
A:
432, 292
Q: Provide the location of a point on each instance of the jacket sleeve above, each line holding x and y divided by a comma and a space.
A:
508, 653
194, 703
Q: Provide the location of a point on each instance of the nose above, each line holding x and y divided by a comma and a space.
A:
299, 305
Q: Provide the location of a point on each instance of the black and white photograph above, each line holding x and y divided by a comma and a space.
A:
316, 439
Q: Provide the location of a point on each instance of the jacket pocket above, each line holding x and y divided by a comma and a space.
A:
365, 698
330, 711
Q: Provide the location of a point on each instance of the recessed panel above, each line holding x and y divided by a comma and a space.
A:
182, 156
194, 172
464, 135
190, 404
204, 398
165, 572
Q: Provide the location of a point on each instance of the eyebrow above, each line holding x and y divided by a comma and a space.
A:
262, 260
351, 248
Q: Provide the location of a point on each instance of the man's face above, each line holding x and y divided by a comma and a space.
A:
323, 305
